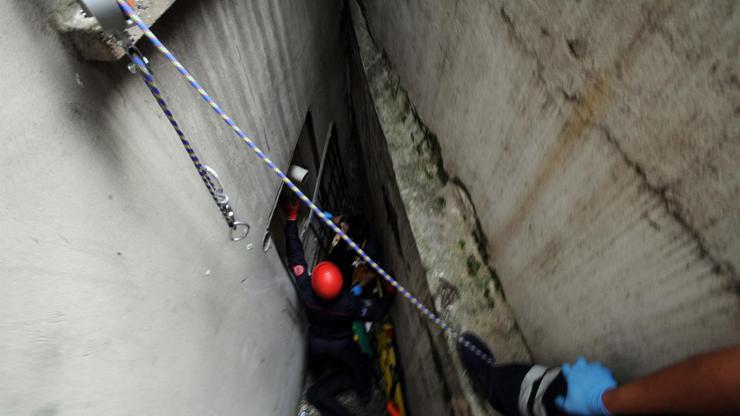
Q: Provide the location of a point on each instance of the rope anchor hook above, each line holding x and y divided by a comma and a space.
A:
238, 229
115, 22
235, 236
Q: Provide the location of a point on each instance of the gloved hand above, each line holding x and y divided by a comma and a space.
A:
356, 290
389, 288
290, 206
587, 382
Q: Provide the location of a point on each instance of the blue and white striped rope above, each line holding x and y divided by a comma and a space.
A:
146, 75
129, 12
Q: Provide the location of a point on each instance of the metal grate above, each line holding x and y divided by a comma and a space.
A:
332, 191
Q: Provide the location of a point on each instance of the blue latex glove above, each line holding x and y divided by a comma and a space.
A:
587, 382
356, 290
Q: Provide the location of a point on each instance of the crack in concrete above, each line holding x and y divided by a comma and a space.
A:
675, 209
522, 45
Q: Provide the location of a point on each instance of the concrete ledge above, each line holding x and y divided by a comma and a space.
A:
86, 34
434, 245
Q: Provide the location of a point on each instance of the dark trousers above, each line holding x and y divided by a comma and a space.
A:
504, 390
349, 368
322, 394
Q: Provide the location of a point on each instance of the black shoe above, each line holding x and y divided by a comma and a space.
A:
365, 398
478, 361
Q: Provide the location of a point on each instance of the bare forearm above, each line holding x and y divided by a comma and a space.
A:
708, 383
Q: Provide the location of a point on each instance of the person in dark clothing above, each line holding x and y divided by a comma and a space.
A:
704, 384
331, 309
512, 389
353, 267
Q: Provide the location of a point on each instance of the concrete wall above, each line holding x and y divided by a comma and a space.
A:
86, 34
429, 384
431, 240
120, 291
599, 142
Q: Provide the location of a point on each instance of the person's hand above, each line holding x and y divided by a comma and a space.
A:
389, 288
587, 382
290, 206
356, 290
340, 222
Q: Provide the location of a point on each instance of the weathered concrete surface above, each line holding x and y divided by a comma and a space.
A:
432, 240
120, 291
599, 142
86, 34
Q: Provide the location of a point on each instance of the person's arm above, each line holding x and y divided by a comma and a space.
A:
294, 246
376, 310
365, 275
704, 384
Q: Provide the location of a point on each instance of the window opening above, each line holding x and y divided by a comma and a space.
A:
305, 156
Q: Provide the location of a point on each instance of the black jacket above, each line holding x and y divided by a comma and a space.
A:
328, 319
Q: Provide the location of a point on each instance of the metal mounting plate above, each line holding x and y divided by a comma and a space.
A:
107, 12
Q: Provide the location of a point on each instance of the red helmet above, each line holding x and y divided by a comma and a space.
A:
326, 280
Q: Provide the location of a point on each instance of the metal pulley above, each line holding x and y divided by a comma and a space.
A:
109, 15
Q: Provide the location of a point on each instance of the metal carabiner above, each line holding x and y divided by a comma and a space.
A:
216, 185
235, 228
133, 52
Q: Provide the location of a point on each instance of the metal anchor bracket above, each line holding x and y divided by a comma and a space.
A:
110, 17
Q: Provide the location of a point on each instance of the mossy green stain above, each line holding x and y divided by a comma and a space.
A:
439, 204
473, 265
